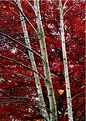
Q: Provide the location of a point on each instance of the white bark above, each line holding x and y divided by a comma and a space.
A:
51, 96
67, 81
37, 80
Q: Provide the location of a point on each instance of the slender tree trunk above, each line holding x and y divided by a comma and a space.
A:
67, 81
43, 110
51, 96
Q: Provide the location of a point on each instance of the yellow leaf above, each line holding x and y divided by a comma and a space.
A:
66, 113
60, 91
4, 6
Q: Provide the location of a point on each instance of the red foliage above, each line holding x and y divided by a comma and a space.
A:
18, 90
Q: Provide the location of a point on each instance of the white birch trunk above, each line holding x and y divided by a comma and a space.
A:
43, 110
51, 96
67, 81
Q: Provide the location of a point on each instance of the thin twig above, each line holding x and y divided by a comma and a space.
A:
30, 5
65, 4
71, 7
78, 94
26, 18
24, 45
21, 65
24, 101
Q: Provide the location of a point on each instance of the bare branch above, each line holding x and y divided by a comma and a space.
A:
65, 4
71, 7
24, 45
33, 107
32, 79
21, 65
26, 18
30, 5
78, 95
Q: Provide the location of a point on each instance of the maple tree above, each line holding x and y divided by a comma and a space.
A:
19, 95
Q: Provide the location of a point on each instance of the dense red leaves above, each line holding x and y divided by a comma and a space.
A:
15, 80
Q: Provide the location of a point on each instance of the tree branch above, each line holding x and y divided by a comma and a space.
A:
33, 107
78, 95
21, 65
70, 8
22, 44
25, 18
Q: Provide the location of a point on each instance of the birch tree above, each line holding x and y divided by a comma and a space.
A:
67, 81
41, 36
21, 95
43, 110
